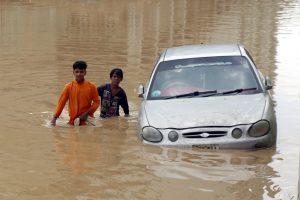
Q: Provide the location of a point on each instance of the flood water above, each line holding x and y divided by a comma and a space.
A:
40, 40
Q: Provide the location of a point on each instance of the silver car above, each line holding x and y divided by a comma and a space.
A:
207, 96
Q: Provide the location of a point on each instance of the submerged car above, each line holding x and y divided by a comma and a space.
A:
207, 96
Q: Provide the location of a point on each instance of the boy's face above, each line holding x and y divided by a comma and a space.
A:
115, 79
79, 75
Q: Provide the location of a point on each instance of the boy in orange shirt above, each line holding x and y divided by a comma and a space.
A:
82, 96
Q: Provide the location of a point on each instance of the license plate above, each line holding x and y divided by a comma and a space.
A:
206, 146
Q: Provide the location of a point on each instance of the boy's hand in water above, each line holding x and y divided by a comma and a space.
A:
84, 116
53, 121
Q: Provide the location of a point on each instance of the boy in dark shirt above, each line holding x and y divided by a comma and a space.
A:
113, 96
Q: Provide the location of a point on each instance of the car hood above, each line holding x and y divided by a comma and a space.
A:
205, 111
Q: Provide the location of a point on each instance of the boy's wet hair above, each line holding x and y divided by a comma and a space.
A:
79, 64
116, 71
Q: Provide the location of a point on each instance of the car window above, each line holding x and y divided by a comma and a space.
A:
201, 74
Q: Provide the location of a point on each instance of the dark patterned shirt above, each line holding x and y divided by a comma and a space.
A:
110, 104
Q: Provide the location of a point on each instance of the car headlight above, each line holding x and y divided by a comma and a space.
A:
259, 128
151, 134
236, 133
173, 136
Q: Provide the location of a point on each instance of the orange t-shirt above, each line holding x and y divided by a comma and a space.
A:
82, 97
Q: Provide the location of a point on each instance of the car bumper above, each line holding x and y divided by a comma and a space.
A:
225, 141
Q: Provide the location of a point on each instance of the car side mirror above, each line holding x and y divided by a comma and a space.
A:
268, 83
141, 91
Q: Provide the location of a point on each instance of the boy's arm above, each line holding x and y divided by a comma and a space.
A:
94, 105
100, 90
95, 99
124, 104
63, 98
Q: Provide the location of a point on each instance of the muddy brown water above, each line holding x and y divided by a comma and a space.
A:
40, 40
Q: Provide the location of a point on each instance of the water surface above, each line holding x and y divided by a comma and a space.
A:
41, 40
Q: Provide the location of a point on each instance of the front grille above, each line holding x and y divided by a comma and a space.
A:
205, 134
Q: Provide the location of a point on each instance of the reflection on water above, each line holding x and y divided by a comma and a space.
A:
87, 149
245, 173
208, 166
78, 151
40, 40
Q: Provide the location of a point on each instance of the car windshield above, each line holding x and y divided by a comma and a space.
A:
201, 75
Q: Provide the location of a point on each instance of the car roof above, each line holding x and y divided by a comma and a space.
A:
201, 50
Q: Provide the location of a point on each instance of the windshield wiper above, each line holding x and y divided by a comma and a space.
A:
239, 90
192, 94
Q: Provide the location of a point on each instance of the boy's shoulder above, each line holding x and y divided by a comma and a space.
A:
88, 82
104, 86
122, 91
69, 84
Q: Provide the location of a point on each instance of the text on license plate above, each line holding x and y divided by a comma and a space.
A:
206, 146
